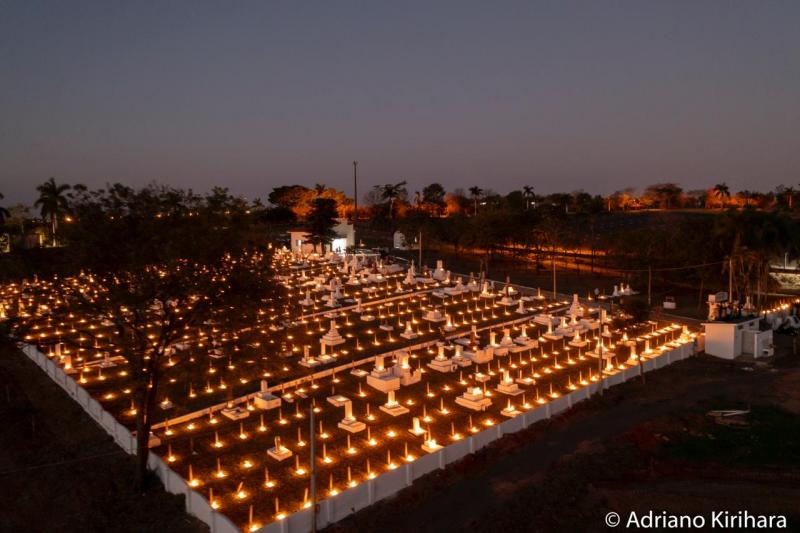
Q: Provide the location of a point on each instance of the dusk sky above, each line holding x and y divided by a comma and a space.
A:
594, 95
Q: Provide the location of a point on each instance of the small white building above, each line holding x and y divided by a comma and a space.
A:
345, 238
730, 339
399, 241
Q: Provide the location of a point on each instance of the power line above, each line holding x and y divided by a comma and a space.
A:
60, 463
663, 269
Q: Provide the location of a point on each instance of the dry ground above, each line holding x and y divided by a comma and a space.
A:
59, 471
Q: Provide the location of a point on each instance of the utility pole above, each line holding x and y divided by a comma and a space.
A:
313, 467
730, 279
600, 350
649, 285
554, 275
355, 201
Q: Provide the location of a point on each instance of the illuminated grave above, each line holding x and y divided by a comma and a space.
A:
473, 398
410, 278
522, 339
507, 385
457, 289
608, 355
459, 358
487, 291
332, 337
431, 445
416, 427
632, 357
392, 406
577, 341
508, 297
506, 341
265, 400
349, 423
550, 334
409, 332
442, 363
510, 410
107, 362
480, 355
575, 309
235, 412
382, 378
402, 369
307, 301
308, 360
279, 452
434, 315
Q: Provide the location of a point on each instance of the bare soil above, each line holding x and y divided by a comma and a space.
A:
59, 471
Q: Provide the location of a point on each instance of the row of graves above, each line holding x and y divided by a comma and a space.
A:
392, 409
395, 363
333, 312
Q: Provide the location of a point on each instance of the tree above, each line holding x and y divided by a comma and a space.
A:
4, 213
53, 202
788, 193
287, 196
475, 192
299, 198
721, 192
623, 199
159, 264
392, 193
527, 192
666, 195
321, 221
433, 196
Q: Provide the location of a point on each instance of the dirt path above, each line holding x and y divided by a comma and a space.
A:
478, 486
59, 471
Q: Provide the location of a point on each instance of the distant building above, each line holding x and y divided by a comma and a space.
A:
345, 238
730, 334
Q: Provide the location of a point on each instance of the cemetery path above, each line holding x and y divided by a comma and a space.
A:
454, 500
62, 471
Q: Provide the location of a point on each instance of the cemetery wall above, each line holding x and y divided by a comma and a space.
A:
352, 500
196, 504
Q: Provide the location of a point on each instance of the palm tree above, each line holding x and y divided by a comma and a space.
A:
721, 192
52, 202
789, 196
4, 214
320, 189
746, 195
393, 192
476, 193
527, 192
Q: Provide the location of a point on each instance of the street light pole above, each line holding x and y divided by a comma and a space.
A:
313, 468
355, 201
